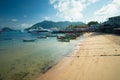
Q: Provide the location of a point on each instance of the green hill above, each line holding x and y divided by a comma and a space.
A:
51, 24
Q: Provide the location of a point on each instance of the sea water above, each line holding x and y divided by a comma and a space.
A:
26, 60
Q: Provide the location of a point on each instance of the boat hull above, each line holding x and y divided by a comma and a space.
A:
29, 40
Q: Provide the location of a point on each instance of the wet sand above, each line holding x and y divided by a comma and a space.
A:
97, 57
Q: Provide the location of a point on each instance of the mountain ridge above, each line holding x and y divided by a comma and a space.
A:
51, 24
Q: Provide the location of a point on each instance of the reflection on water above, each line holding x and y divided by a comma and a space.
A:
25, 60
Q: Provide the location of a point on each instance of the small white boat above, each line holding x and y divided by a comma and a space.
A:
42, 37
29, 40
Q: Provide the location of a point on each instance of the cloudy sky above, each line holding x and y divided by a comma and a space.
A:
20, 14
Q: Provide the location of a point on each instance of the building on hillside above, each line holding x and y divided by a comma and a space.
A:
81, 28
111, 25
94, 27
114, 21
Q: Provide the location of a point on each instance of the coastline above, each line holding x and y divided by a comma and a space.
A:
63, 60
95, 58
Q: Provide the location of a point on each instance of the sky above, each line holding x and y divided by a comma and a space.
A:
20, 14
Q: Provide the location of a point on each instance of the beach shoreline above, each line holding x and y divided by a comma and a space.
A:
62, 60
97, 54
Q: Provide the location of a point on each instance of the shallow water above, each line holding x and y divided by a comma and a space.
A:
25, 60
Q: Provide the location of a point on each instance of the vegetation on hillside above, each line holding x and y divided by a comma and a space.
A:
92, 23
51, 24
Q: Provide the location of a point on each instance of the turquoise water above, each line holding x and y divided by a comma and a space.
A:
26, 60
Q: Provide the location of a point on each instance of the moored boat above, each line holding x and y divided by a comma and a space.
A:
71, 36
42, 37
29, 40
63, 39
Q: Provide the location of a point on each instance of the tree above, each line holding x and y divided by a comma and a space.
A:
92, 23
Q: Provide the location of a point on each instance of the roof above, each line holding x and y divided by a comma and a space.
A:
115, 17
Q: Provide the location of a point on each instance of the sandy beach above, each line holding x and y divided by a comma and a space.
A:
97, 57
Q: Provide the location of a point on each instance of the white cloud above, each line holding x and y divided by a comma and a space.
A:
52, 1
71, 10
109, 10
25, 25
14, 20
116, 2
25, 16
93, 1
46, 18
